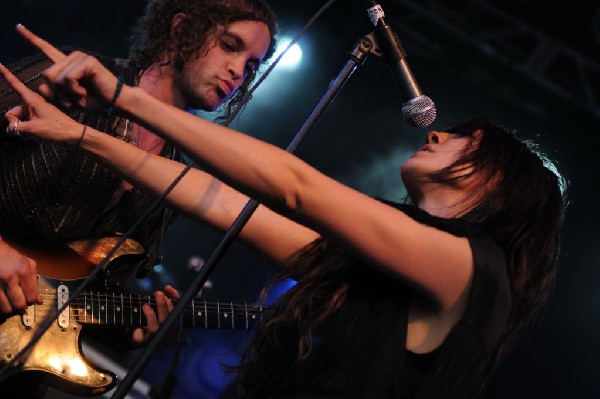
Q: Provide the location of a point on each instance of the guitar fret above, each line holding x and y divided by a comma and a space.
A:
97, 306
142, 313
98, 309
92, 307
131, 311
193, 313
87, 309
205, 315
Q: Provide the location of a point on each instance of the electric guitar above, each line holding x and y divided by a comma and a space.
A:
57, 357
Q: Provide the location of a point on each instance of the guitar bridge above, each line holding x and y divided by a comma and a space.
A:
62, 296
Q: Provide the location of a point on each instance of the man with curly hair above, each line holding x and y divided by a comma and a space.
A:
190, 54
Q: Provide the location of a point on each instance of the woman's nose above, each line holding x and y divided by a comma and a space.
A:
436, 137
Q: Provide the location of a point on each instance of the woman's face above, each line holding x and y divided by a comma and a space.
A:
441, 150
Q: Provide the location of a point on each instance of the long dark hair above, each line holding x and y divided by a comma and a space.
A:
522, 209
152, 36
520, 204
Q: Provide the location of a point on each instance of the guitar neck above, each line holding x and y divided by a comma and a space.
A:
118, 310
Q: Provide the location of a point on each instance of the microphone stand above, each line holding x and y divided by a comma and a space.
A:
357, 57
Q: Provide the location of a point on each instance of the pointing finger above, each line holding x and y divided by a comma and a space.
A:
14, 82
49, 50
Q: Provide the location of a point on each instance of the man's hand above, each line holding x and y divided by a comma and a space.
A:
154, 320
18, 280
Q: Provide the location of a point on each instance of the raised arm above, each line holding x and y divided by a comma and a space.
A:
433, 261
198, 195
437, 263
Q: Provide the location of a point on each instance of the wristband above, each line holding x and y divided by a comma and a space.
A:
111, 107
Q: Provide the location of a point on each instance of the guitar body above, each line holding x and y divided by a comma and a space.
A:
57, 358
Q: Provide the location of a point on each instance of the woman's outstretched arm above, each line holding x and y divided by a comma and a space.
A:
434, 262
198, 195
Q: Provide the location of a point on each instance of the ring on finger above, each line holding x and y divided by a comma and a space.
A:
16, 132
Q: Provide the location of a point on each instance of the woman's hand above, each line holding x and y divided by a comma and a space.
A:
36, 118
77, 80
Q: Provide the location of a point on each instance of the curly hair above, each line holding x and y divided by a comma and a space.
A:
152, 36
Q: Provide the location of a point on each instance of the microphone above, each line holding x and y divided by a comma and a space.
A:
418, 109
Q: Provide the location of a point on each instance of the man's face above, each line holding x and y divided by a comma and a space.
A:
222, 66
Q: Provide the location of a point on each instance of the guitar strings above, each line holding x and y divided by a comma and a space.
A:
102, 302
141, 299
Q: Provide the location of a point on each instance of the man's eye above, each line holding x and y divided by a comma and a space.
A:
229, 45
250, 68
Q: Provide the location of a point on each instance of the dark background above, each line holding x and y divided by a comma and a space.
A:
526, 64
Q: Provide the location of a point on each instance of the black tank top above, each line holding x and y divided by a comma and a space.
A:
360, 351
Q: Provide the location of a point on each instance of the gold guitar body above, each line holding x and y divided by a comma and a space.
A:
57, 357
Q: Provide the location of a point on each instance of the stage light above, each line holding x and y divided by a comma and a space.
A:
292, 57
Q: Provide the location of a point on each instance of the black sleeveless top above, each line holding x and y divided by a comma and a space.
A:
359, 352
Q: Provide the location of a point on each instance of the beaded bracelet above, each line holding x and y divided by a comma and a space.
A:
111, 107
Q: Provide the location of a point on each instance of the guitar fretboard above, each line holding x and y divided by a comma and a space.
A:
126, 310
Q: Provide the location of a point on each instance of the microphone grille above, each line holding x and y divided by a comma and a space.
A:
419, 111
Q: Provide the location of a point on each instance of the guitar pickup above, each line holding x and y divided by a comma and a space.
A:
62, 296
